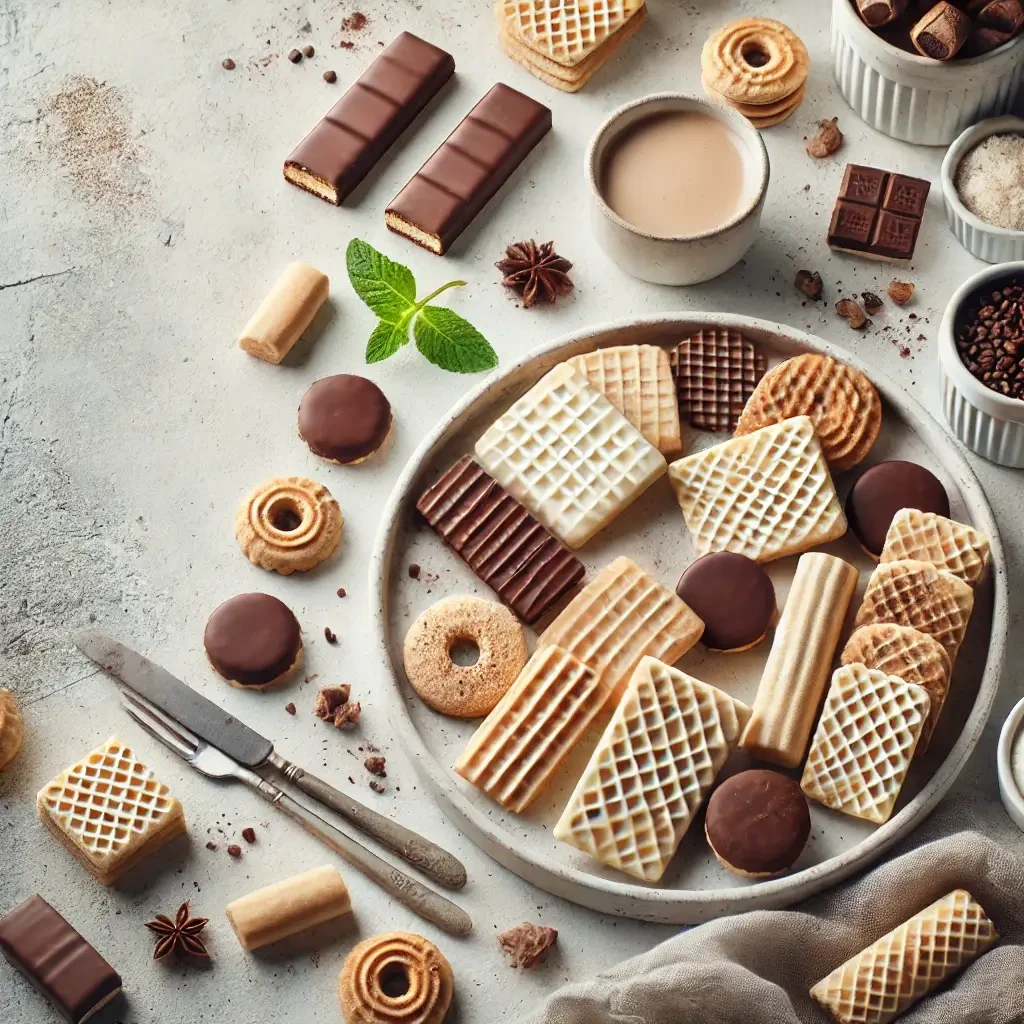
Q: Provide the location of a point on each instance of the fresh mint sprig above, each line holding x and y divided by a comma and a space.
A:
389, 289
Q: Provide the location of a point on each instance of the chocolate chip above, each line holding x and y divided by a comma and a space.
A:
290, 708
414, 571
294, 56
211, 846
308, 51
228, 64
809, 282
330, 76
376, 766
377, 787
234, 850
249, 835
872, 303
330, 636
342, 592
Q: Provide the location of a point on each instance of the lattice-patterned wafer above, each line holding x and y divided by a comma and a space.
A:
912, 593
110, 811
620, 616
716, 371
886, 979
765, 495
911, 655
841, 402
569, 456
637, 380
566, 31
866, 737
524, 741
947, 544
499, 540
667, 741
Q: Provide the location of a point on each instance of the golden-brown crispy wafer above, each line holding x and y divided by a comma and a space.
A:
945, 543
755, 60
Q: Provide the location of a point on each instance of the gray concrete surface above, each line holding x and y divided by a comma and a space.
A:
142, 216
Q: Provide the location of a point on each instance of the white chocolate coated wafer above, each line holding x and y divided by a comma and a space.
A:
798, 666
285, 313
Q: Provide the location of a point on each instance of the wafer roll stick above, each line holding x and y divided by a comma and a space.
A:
876, 13
798, 667
288, 907
285, 313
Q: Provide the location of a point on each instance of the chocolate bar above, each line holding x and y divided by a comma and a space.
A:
455, 184
499, 540
59, 963
878, 213
359, 129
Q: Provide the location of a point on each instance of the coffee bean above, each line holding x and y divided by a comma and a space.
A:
308, 51
330, 76
990, 339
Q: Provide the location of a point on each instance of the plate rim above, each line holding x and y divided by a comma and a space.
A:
629, 899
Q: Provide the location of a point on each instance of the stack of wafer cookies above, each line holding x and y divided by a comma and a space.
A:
757, 66
564, 42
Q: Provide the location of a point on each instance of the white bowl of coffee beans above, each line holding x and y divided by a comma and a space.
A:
981, 363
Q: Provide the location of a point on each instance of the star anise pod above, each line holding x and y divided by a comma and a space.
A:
536, 272
180, 936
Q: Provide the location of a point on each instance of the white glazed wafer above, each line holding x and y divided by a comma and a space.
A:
797, 670
667, 741
945, 543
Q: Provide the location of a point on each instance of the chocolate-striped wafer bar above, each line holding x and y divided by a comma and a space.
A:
499, 540
455, 184
359, 129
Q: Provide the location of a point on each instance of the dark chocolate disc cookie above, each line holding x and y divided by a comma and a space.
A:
733, 595
253, 640
344, 418
881, 491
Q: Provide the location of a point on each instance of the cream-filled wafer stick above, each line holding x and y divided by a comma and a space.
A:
877, 13
798, 666
285, 313
288, 907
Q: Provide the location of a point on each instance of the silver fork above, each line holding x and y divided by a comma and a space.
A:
216, 764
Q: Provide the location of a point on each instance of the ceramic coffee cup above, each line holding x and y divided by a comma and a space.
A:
678, 259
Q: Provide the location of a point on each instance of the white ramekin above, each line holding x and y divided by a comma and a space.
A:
915, 99
679, 259
1009, 790
990, 424
986, 241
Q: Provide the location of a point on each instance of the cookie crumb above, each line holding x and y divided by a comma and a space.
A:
211, 846
527, 944
872, 303
414, 571
377, 787
809, 282
249, 835
851, 311
828, 140
290, 708
376, 766
901, 292
330, 636
234, 850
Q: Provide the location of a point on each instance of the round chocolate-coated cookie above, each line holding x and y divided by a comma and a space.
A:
253, 640
881, 491
733, 595
758, 823
344, 418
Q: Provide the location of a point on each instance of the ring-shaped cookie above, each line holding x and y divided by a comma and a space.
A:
464, 691
289, 524
755, 60
395, 978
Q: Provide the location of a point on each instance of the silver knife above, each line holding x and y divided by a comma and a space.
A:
252, 750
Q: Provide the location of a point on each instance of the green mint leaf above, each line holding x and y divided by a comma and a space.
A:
386, 340
452, 343
388, 288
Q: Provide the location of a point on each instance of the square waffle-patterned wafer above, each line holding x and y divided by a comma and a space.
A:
110, 811
637, 380
765, 495
912, 593
523, 742
617, 618
716, 371
866, 737
886, 979
569, 456
947, 544
566, 31
667, 741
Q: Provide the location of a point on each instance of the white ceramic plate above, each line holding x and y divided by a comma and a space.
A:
652, 532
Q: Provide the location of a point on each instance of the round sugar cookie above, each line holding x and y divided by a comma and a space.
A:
755, 60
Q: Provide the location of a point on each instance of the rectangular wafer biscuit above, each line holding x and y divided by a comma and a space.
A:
637, 380
524, 741
865, 740
945, 543
765, 495
569, 456
620, 616
883, 981
668, 739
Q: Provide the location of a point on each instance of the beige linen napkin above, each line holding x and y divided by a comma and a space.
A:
757, 968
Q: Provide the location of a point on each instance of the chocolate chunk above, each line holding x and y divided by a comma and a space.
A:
57, 961
509, 550
414, 571
344, 418
330, 636
308, 51
249, 835
294, 56
456, 183
330, 77
881, 491
733, 595
376, 765
252, 639
234, 850
357, 131
227, 64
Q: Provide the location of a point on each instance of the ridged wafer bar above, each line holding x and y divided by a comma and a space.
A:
883, 981
524, 741
667, 741
765, 495
620, 616
797, 670
945, 543
866, 737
